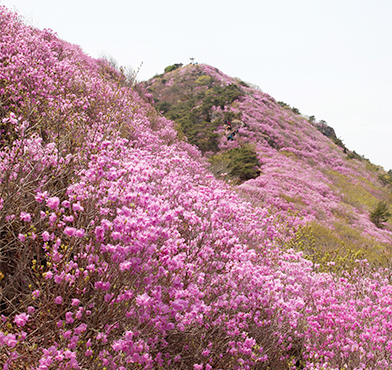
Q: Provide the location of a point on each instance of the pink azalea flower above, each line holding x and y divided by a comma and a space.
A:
143, 299
10, 340
30, 309
69, 218
58, 279
77, 207
36, 293
75, 302
68, 318
53, 202
126, 265
67, 334
80, 329
40, 197
66, 203
58, 300
24, 216
70, 231
79, 233
45, 236
52, 217
21, 319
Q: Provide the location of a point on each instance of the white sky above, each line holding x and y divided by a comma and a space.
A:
328, 58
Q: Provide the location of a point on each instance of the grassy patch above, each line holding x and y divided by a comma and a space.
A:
337, 248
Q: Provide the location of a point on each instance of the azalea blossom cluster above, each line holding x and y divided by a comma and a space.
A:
309, 167
120, 250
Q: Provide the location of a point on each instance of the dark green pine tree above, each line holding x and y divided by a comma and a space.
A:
380, 214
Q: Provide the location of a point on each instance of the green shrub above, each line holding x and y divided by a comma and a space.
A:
283, 104
204, 80
163, 107
172, 67
240, 164
339, 142
354, 155
380, 214
334, 257
242, 83
386, 178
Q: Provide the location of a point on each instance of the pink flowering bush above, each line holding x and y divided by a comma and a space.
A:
120, 250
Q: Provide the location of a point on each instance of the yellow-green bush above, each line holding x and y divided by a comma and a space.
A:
337, 249
204, 80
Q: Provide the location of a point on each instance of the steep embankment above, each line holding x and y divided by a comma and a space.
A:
302, 171
119, 250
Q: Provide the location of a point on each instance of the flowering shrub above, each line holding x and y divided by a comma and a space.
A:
119, 250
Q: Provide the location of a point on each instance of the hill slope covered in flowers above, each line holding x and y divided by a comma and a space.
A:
298, 169
120, 250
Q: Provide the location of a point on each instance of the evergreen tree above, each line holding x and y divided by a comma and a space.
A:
380, 214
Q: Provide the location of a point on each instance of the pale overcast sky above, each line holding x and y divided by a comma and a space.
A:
328, 58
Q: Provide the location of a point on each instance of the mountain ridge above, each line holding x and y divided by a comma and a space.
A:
304, 166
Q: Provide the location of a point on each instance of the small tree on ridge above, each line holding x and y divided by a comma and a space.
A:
380, 214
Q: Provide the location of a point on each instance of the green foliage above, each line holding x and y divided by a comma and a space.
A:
163, 107
283, 104
380, 214
295, 110
386, 178
354, 155
336, 249
172, 67
333, 258
288, 154
242, 83
359, 194
221, 96
193, 115
204, 80
296, 199
339, 142
239, 163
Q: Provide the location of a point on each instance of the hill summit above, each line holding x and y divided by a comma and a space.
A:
281, 160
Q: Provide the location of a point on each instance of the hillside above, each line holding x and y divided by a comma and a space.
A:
301, 166
120, 250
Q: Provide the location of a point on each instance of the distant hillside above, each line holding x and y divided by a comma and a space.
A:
279, 159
